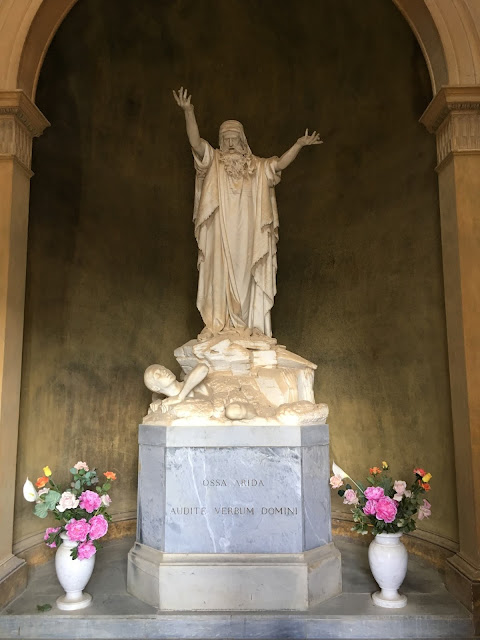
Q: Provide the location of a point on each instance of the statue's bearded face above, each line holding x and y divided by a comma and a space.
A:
231, 143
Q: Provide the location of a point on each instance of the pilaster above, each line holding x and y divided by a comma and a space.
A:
20, 121
454, 116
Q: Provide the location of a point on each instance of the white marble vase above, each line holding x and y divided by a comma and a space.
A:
388, 562
73, 575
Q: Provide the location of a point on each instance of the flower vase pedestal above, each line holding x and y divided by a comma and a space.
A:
388, 562
73, 575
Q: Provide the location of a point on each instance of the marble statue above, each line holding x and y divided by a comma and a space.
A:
236, 224
234, 372
235, 376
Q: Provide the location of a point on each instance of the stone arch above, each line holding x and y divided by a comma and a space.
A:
447, 31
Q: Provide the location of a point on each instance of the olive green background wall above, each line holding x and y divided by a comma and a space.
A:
111, 279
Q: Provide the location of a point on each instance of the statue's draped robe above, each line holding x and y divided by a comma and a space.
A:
236, 228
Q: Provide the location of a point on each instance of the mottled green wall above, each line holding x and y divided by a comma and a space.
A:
112, 259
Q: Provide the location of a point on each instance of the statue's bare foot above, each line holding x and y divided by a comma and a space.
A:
205, 334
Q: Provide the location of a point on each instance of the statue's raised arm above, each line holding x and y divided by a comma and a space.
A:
184, 102
290, 155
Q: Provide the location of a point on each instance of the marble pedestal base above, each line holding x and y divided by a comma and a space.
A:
233, 518
234, 582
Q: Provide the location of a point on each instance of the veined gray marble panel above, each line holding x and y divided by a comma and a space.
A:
316, 496
233, 500
234, 436
151, 496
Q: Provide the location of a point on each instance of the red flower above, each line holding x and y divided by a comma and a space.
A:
110, 475
419, 472
374, 471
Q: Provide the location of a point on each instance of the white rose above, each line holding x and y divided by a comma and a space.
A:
106, 500
67, 501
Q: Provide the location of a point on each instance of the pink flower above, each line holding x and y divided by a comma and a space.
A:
336, 482
106, 500
419, 472
67, 501
77, 530
48, 531
424, 511
374, 493
81, 465
408, 494
86, 550
98, 527
90, 501
370, 507
350, 497
386, 509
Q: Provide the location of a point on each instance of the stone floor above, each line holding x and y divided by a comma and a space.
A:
431, 611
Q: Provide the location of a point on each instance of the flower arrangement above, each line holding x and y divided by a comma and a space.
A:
386, 505
81, 509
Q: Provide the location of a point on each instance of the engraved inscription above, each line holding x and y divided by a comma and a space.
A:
221, 482
234, 511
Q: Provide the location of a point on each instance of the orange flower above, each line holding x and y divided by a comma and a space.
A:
424, 485
110, 475
41, 482
374, 471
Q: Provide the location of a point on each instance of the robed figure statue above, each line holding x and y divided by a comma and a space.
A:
236, 224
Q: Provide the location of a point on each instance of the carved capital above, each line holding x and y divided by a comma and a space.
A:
454, 116
20, 121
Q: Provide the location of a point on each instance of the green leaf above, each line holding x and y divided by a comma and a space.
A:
348, 486
41, 510
51, 499
77, 484
44, 607
341, 492
73, 471
106, 486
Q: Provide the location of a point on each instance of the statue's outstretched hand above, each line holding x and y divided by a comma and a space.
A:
183, 99
307, 139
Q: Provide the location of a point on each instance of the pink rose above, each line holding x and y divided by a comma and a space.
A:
77, 530
67, 501
81, 465
48, 531
370, 507
386, 509
86, 550
98, 527
350, 497
336, 482
374, 493
90, 501
424, 511
106, 500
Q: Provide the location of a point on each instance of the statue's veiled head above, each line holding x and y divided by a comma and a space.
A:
232, 138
